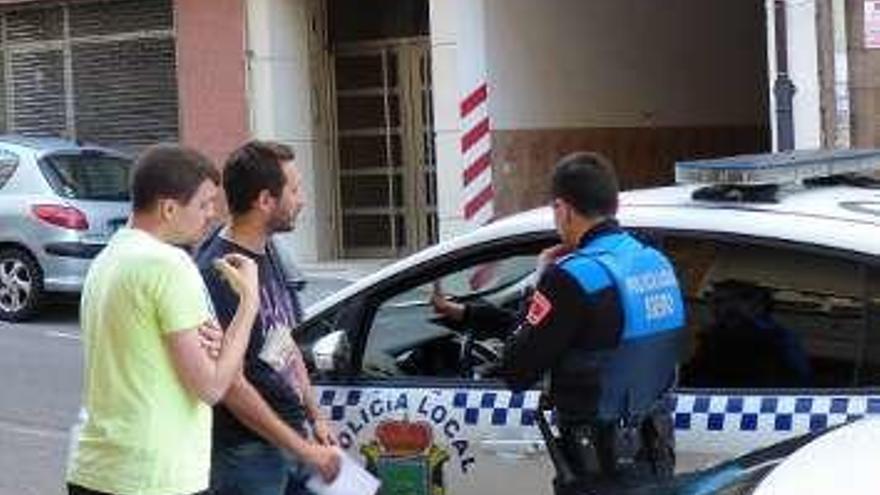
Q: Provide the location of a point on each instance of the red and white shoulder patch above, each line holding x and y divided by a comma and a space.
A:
539, 310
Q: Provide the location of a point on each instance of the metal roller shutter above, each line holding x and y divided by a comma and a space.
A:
120, 16
102, 71
129, 85
37, 88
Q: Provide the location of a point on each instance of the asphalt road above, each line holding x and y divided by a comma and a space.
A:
40, 381
40, 377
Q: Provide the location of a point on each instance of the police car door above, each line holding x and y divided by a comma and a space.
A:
780, 335
416, 407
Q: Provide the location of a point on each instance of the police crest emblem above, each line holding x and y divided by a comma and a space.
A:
404, 457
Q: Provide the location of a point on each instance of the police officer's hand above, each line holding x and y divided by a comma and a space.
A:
325, 460
550, 255
444, 307
241, 273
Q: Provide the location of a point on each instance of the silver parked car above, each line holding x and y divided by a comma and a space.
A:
60, 201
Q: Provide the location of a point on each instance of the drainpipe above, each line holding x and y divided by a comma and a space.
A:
783, 87
841, 75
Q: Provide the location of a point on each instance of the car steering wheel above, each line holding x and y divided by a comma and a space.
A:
466, 360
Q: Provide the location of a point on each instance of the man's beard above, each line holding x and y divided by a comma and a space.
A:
282, 223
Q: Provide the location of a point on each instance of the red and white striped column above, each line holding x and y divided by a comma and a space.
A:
476, 153
474, 115
461, 115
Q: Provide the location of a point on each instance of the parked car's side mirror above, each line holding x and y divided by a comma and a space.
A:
295, 286
331, 352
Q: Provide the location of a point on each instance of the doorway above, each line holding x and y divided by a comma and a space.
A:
383, 131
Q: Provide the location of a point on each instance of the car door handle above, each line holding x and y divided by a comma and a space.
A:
513, 449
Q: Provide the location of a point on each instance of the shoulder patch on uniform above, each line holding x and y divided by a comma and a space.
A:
539, 309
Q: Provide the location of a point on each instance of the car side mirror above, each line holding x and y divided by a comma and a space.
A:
295, 286
331, 352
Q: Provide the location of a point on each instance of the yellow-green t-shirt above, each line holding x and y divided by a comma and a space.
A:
144, 433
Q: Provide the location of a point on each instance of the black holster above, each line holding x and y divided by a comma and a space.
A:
658, 436
581, 450
621, 453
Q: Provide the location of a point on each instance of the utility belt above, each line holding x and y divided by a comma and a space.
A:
613, 454
640, 447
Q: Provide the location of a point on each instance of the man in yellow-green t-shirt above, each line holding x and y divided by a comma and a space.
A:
149, 379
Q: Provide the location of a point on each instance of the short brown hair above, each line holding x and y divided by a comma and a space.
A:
588, 183
169, 171
252, 168
283, 152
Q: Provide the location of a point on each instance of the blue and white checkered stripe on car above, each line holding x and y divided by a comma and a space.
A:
475, 406
783, 413
703, 422
769, 413
739, 423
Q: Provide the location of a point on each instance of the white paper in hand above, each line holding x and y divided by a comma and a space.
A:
352, 479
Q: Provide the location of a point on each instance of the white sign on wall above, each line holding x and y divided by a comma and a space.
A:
872, 23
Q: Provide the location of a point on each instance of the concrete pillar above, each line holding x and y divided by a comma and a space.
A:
459, 72
864, 77
285, 106
842, 114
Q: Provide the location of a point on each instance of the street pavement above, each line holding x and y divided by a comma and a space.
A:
40, 383
40, 378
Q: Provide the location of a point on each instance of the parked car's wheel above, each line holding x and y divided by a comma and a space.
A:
21, 285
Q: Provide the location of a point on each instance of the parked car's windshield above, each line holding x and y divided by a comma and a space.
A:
93, 175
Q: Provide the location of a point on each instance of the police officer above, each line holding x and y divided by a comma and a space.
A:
604, 320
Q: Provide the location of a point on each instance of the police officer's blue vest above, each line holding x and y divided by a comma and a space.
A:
632, 377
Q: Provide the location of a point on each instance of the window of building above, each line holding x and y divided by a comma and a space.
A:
384, 137
103, 72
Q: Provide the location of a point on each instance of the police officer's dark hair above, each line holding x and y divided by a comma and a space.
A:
588, 183
169, 171
254, 167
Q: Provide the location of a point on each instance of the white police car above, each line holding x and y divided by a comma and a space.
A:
839, 459
780, 265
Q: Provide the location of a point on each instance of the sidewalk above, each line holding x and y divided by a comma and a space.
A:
325, 278
349, 270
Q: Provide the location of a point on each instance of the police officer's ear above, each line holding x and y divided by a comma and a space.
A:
564, 210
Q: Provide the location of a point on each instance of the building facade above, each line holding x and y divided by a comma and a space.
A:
415, 120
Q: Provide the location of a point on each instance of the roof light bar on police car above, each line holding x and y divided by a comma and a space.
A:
777, 168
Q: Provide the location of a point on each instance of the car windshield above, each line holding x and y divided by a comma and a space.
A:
90, 175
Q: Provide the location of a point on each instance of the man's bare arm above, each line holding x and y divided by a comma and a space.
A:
204, 376
298, 377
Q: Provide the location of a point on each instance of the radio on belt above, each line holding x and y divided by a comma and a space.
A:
791, 167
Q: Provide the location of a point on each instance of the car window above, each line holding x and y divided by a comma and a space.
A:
869, 374
92, 175
763, 316
8, 164
473, 281
407, 339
